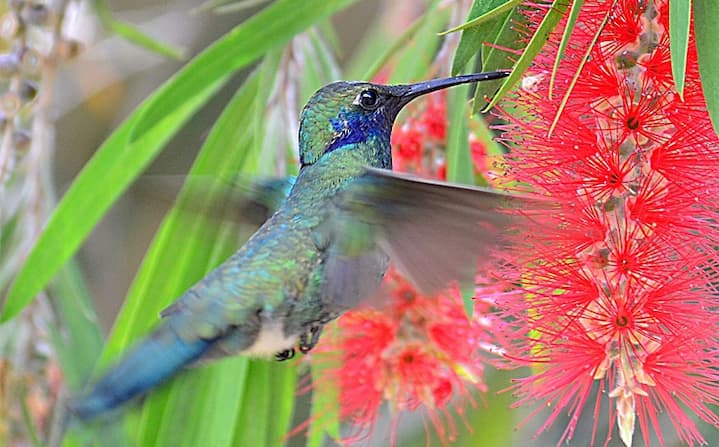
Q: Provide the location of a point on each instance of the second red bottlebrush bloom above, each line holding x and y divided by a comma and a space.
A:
620, 292
419, 353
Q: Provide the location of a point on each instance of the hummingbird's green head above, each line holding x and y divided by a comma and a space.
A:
348, 113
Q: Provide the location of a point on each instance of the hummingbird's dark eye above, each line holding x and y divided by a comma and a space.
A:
368, 99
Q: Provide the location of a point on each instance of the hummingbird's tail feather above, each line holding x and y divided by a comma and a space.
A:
151, 362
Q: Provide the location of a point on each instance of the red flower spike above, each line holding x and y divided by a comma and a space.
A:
614, 289
416, 355
408, 141
435, 117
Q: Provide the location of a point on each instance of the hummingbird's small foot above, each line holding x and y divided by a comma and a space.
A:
309, 339
285, 355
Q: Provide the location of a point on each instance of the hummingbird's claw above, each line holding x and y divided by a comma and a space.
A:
285, 355
309, 339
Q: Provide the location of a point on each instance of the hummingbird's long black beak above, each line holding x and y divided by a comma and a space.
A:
411, 91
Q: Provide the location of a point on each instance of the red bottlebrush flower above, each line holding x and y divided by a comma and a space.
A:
434, 118
478, 150
408, 142
615, 288
417, 354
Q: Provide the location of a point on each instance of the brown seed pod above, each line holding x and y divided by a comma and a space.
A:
28, 90
68, 48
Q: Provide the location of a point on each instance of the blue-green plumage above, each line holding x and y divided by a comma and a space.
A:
324, 250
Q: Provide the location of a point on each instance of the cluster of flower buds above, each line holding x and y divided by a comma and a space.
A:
31, 33
32, 44
419, 353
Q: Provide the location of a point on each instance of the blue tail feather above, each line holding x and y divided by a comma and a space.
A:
151, 362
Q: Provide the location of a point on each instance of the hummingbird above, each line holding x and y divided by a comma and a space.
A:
324, 250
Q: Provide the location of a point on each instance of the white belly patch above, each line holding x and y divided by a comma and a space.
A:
270, 340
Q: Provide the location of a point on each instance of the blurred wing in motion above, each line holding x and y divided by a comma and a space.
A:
434, 232
240, 201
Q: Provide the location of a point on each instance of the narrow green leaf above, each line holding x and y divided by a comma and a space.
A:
576, 8
254, 417
139, 38
459, 158
535, 45
133, 34
238, 6
495, 57
393, 49
680, 15
584, 60
77, 339
414, 62
485, 17
269, 400
181, 253
140, 138
324, 413
494, 417
460, 168
264, 153
706, 28
272, 26
473, 39
281, 398
178, 242
205, 406
220, 404
115, 164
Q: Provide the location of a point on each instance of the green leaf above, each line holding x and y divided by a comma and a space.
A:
221, 403
133, 34
415, 61
495, 57
77, 339
393, 49
459, 158
460, 168
185, 241
141, 137
535, 45
680, 15
495, 416
325, 410
473, 38
576, 8
706, 27
484, 17
584, 60
272, 26
115, 164
139, 38
238, 6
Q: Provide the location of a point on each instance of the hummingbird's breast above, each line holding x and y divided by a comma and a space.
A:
271, 339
